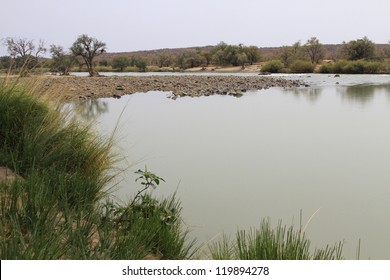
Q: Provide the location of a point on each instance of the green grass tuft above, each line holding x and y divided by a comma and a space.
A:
265, 243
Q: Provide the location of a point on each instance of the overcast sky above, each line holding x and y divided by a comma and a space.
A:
129, 25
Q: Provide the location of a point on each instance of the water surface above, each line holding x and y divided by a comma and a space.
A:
270, 153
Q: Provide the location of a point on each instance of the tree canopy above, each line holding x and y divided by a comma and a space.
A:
359, 49
314, 49
62, 62
88, 48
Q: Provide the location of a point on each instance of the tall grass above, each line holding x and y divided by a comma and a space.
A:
265, 243
35, 138
55, 209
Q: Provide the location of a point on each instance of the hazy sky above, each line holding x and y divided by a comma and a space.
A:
128, 25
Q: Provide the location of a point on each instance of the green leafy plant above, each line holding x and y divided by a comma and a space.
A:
148, 180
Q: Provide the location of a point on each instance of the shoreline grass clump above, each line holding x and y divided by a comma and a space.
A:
37, 139
265, 243
54, 208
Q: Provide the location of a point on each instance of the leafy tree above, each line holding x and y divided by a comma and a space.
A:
236, 55
314, 49
88, 48
207, 57
190, 59
253, 54
25, 53
120, 62
5, 62
62, 61
138, 62
220, 54
359, 49
141, 64
242, 58
289, 54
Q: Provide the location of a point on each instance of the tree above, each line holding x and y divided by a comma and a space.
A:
242, 58
24, 52
164, 59
5, 62
289, 54
207, 57
314, 49
120, 62
138, 62
62, 62
359, 49
88, 48
190, 59
253, 54
141, 64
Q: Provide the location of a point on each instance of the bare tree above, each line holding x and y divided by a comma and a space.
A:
314, 49
88, 48
25, 52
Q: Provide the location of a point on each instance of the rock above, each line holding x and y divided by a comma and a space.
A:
8, 176
337, 76
120, 87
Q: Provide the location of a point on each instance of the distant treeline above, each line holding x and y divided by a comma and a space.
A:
89, 54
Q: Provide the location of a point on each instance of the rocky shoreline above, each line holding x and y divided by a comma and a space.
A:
73, 88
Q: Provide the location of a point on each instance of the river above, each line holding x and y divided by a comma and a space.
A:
322, 150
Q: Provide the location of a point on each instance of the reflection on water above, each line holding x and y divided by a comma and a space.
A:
358, 93
310, 93
362, 93
90, 108
270, 153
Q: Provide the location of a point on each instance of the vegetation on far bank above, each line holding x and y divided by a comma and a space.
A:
89, 54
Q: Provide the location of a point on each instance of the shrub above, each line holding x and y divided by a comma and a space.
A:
272, 66
301, 66
354, 67
326, 68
